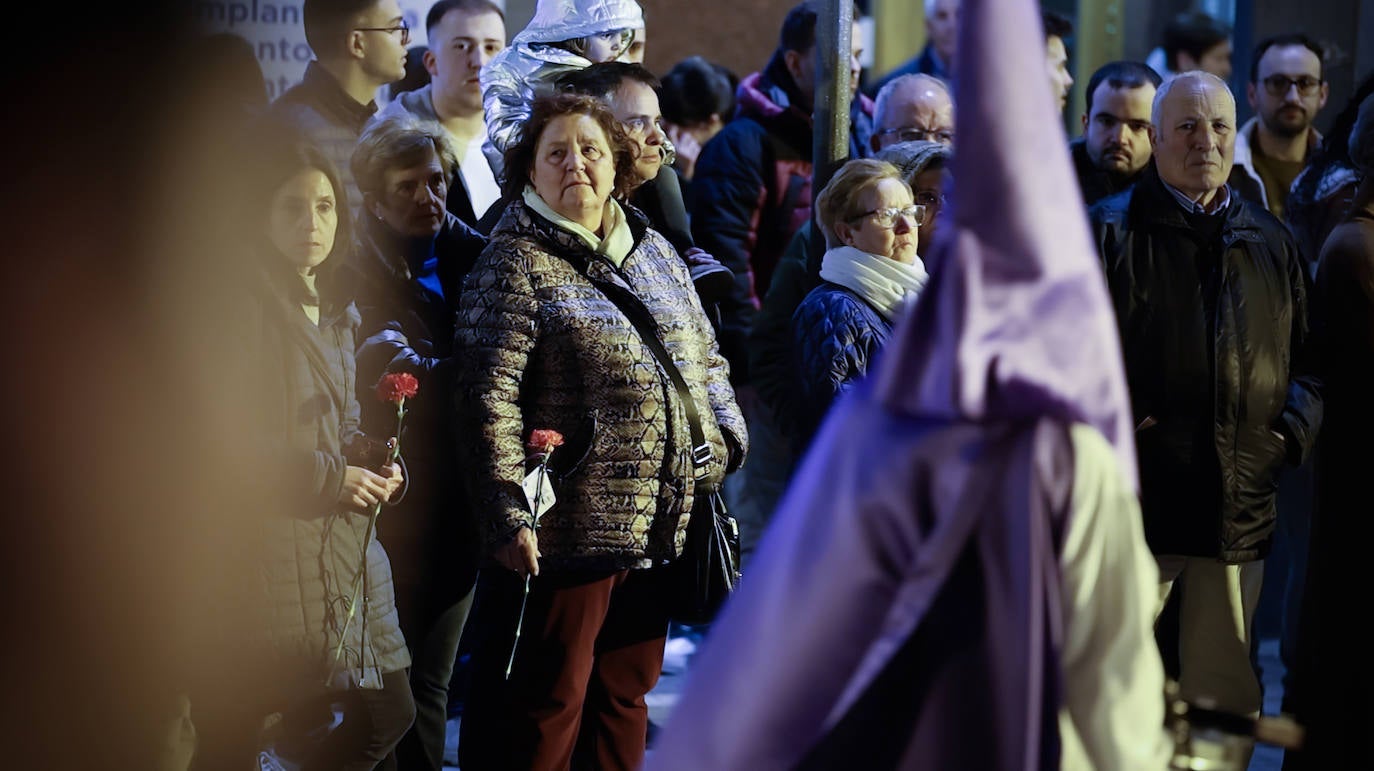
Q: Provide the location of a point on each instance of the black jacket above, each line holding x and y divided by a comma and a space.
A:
1328, 678
408, 326
1214, 331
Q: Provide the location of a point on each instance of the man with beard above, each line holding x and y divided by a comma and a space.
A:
1115, 146
1286, 90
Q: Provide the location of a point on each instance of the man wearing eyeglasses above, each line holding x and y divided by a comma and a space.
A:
359, 46
913, 108
1286, 91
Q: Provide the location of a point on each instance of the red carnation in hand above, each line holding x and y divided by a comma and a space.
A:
396, 387
544, 440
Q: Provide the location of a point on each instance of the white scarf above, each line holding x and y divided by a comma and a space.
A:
617, 243
882, 282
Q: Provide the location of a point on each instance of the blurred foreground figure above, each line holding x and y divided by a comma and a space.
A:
1330, 688
964, 535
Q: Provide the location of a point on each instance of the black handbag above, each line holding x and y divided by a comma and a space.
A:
699, 581
707, 572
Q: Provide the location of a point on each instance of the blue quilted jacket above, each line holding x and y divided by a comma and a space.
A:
837, 337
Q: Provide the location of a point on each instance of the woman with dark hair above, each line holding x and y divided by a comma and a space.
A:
566, 323
329, 613
409, 265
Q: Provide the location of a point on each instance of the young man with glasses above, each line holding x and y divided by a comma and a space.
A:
1286, 91
359, 46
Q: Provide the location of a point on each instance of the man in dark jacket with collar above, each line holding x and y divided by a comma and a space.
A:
752, 188
1211, 299
359, 46
750, 195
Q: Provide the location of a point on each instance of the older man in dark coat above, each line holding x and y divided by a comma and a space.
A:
1211, 300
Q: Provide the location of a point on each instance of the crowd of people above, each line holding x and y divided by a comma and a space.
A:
1021, 449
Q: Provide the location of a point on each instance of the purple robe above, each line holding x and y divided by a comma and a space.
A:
921, 536
896, 526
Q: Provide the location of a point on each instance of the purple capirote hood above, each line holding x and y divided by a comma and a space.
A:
1016, 321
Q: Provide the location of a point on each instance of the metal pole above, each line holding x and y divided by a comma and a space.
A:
830, 114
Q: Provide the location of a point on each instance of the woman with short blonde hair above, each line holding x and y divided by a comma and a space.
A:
869, 274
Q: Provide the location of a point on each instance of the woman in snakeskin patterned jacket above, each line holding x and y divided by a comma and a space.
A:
540, 345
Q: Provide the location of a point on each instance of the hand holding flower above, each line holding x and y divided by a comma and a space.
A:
521, 552
364, 489
367, 491
394, 478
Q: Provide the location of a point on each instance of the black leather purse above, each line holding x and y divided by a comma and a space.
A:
707, 572
700, 580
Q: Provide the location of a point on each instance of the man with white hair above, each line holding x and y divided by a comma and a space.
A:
1211, 302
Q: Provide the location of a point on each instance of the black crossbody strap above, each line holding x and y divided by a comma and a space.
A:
644, 324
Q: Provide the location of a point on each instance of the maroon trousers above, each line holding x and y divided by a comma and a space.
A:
590, 649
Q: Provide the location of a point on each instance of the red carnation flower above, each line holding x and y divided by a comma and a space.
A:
543, 440
397, 386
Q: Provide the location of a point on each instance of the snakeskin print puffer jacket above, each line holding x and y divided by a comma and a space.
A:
538, 346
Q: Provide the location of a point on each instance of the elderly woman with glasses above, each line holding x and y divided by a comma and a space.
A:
869, 274
561, 326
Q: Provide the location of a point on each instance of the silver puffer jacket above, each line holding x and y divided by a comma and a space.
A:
531, 64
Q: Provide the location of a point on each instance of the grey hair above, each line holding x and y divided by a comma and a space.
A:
886, 92
912, 158
399, 141
1362, 137
1168, 85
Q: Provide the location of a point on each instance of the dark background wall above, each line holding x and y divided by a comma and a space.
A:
1344, 27
740, 34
